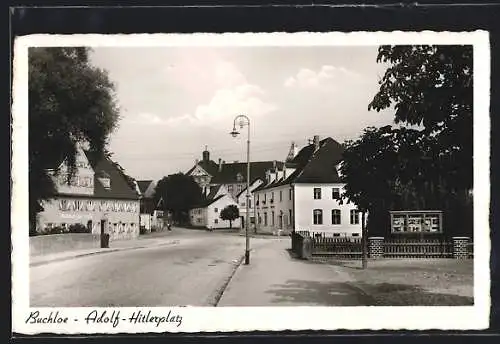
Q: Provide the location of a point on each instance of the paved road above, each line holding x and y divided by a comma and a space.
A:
192, 272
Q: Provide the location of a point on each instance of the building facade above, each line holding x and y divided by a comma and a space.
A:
305, 194
98, 197
207, 214
233, 176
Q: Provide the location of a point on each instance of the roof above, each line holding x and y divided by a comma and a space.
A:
245, 188
143, 185
208, 165
119, 189
213, 191
230, 171
313, 166
207, 202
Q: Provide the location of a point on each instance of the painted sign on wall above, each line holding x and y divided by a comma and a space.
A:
92, 205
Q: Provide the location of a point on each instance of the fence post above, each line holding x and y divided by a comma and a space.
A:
375, 247
307, 248
460, 250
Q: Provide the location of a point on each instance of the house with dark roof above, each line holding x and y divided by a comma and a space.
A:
98, 192
151, 218
305, 194
207, 213
233, 176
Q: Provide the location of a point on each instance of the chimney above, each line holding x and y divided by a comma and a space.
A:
316, 142
220, 164
206, 154
196, 161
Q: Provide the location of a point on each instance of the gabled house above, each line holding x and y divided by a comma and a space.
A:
99, 197
241, 199
233, 176
207, 213
148, 207
305, 194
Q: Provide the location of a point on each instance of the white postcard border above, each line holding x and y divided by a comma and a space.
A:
198, 319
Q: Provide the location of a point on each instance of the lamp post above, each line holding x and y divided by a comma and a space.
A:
244, 120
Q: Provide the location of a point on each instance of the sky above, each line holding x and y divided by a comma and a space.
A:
175, 100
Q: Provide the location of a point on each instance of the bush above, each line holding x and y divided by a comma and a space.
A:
78, 228
55, 230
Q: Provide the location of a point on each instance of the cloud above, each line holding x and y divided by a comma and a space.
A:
307, 78
233, 95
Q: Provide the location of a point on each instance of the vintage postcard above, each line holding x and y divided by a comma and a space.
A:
245, 182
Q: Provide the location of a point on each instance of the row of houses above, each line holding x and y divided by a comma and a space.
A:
302, 192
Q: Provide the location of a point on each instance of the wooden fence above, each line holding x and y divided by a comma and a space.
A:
417, 248
339, 247
309, 244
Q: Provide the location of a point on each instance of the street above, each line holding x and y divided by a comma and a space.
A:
192, 272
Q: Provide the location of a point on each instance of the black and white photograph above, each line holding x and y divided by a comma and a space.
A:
276, 181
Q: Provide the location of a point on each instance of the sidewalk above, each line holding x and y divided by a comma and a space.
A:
114, 246
274, 278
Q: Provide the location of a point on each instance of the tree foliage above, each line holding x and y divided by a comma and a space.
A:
426, 161
70, 101
179, 193
432, 87
230, 213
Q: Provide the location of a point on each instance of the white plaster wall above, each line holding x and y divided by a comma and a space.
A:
198, 217
213, 215
127, 222
277, 206
305, 204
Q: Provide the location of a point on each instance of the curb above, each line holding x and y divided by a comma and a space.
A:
48, 261
220, 292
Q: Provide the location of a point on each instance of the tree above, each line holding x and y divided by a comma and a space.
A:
426, 162
70, 101
180, 193
432, 87
230, 213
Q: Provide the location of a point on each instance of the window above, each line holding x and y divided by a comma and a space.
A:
239, 187
230, 188
265, 198
216, 210
290, 194
317, 193
265, 219
335, 193
354, 217
336, 234
355, 234
289, 216
216, 221
260, 219
272, 197
281, 196
317, 216
335, 216
272, 218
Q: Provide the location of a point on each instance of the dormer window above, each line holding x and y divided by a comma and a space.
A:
104, 179
239, 177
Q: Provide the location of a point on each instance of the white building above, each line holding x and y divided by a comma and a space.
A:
305, 193
207, 214
98, 197
241, 199
233, 176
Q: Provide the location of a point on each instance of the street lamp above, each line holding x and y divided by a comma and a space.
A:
244, 120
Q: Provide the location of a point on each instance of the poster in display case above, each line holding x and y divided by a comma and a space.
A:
413, 221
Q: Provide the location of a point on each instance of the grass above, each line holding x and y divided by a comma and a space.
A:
414, 282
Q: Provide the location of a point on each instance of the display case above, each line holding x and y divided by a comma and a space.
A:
413, 221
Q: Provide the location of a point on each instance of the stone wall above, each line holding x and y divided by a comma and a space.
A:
55, 243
